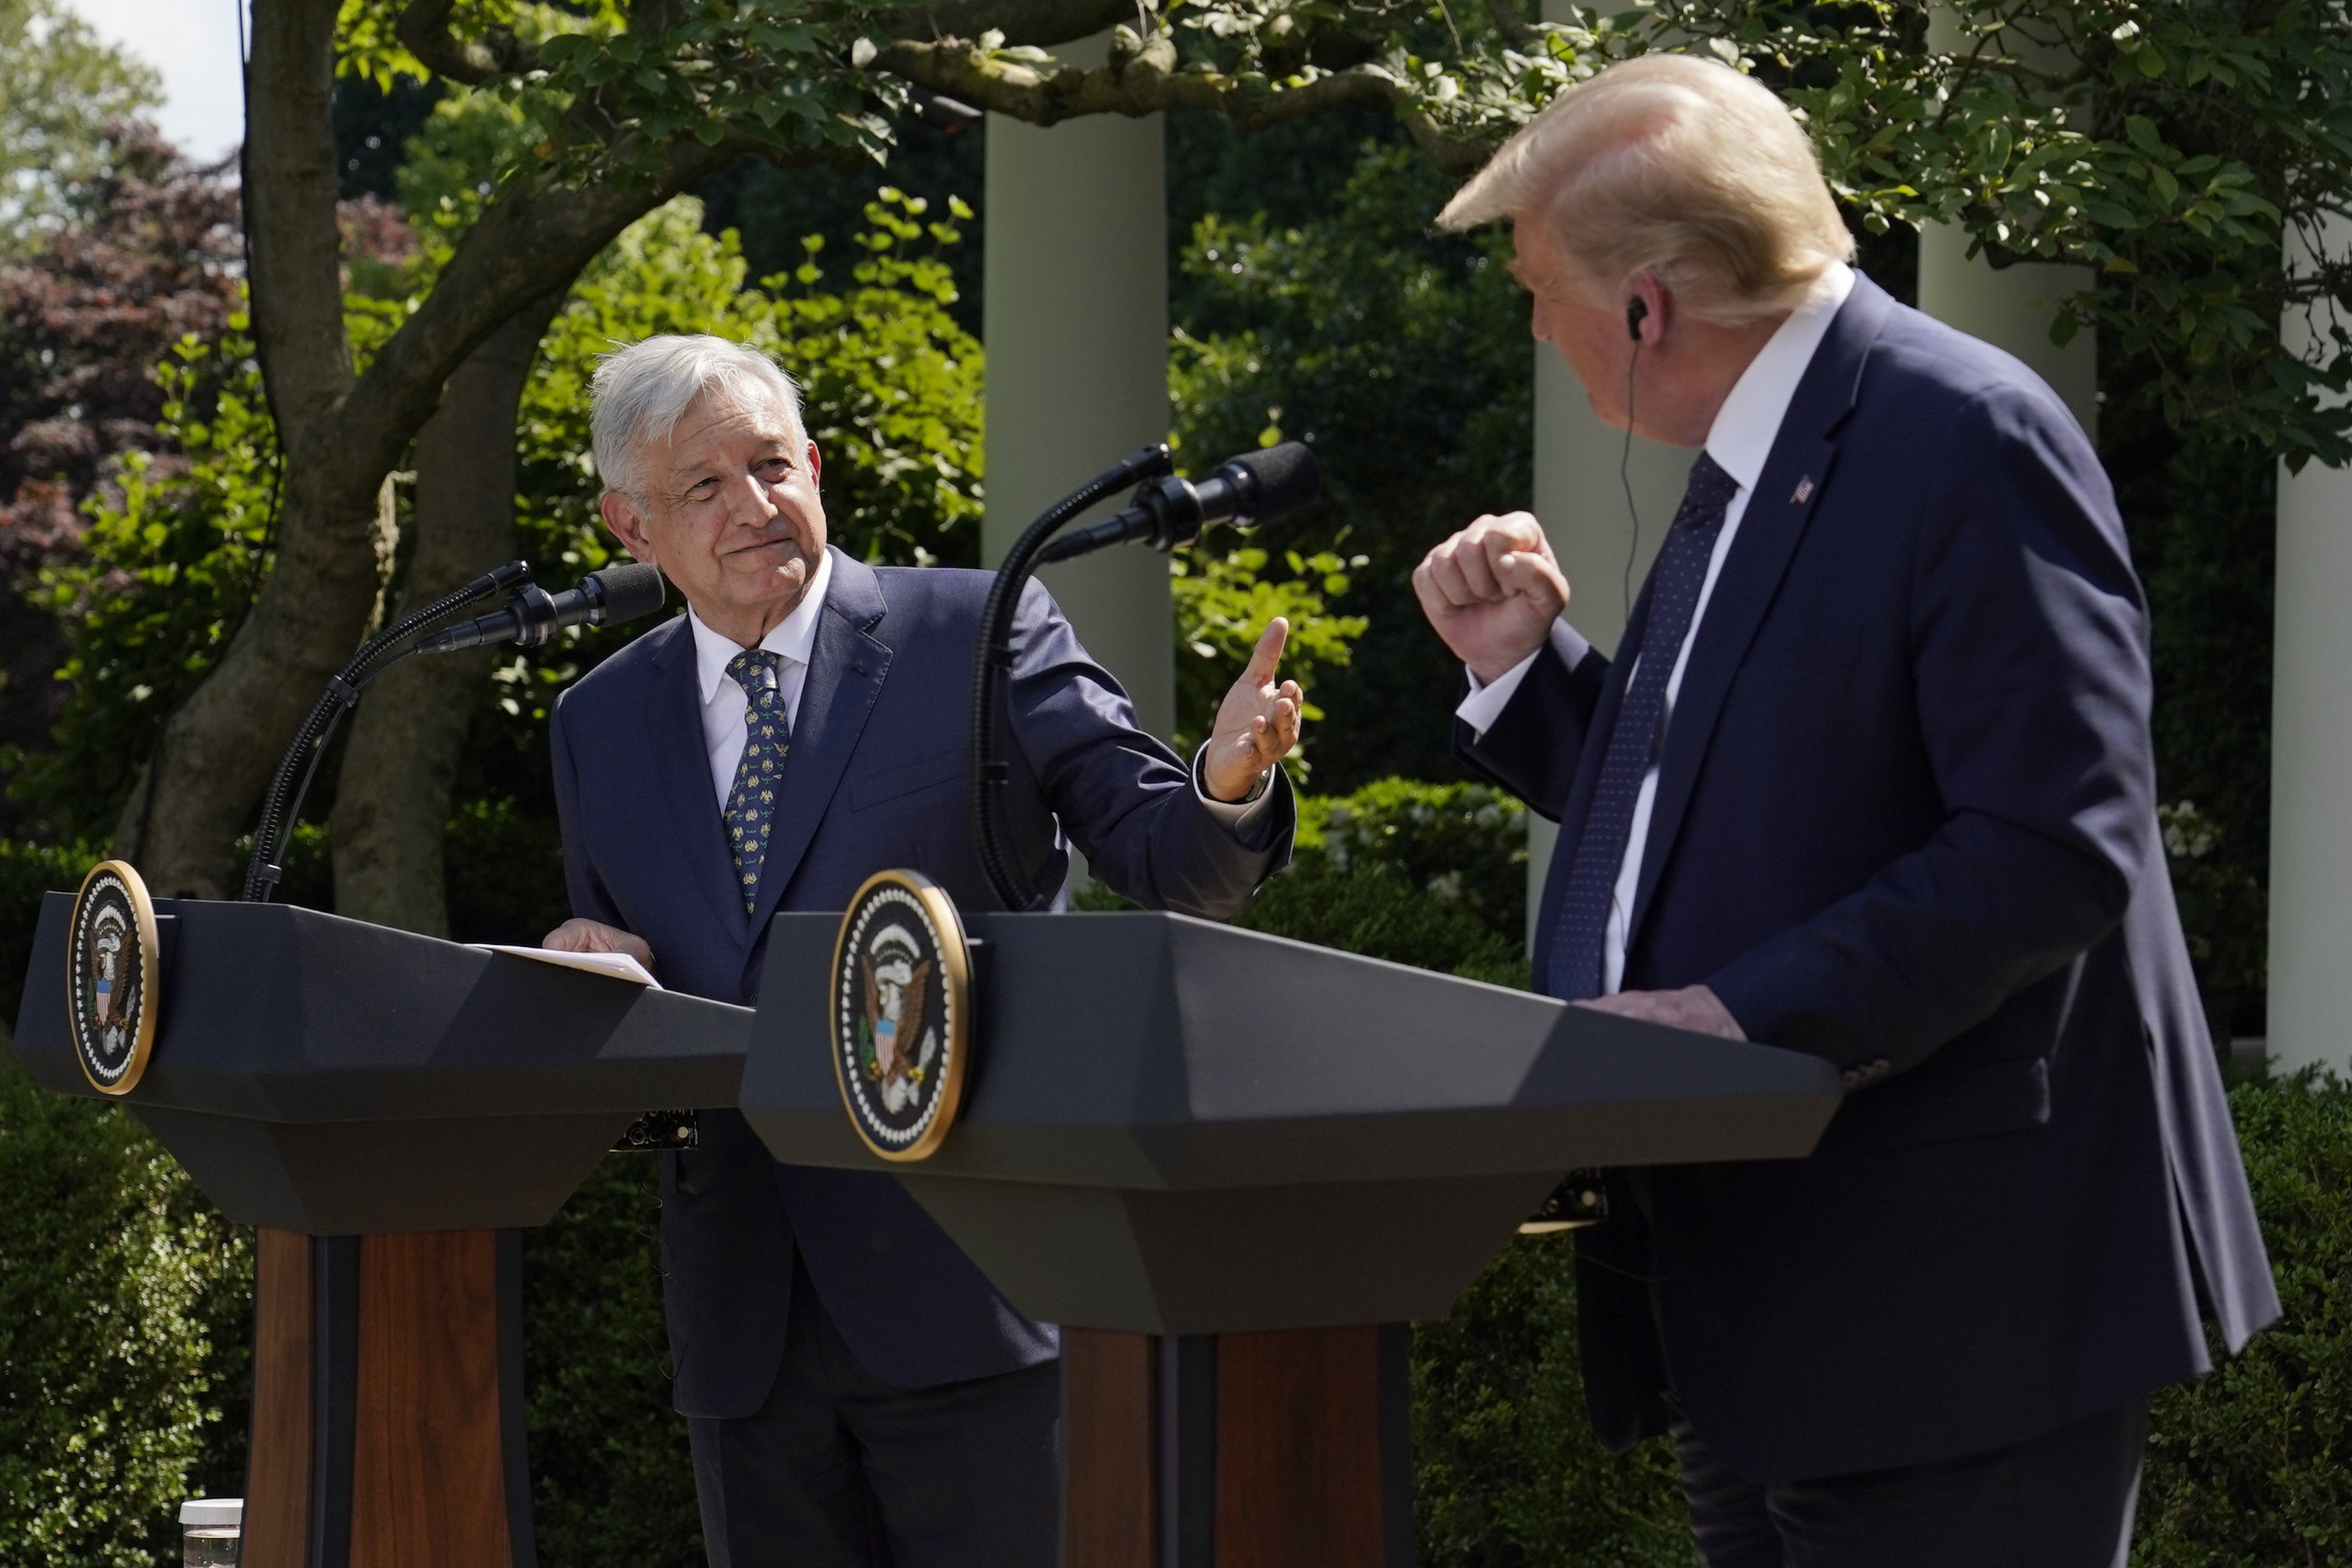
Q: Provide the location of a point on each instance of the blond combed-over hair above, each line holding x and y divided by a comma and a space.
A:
1677, 166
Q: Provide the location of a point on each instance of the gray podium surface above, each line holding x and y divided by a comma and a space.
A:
326, 1076
1175, 1127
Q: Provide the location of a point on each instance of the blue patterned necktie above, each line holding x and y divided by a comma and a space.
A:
767, 738
1640, 733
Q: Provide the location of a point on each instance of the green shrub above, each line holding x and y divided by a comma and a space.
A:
1460, 844
124, 1304
1506, 1468
2251, 1465
27, 871
1375, 909
612, 1484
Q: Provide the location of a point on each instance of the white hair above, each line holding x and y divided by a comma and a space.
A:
640, 393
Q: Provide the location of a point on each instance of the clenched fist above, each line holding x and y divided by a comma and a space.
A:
1492, 592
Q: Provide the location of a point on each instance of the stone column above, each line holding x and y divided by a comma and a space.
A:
1586, 516
2010, 307
1584, 512
2310, 759
1076, 320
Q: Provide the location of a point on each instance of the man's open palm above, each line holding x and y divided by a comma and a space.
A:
1258, 724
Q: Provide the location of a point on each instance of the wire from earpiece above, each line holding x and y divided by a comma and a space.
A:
1637, 310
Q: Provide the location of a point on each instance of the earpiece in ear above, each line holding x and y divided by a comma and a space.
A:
1637, 310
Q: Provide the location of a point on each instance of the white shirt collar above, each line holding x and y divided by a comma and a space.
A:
1749, 420
794, 636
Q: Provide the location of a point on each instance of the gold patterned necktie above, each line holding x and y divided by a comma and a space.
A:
767, 738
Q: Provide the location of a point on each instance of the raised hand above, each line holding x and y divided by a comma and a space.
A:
1256, 724
1492, 592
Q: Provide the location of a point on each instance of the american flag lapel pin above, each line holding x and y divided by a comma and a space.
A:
1804, 489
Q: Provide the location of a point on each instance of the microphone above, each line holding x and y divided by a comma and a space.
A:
1170, 512
603, 598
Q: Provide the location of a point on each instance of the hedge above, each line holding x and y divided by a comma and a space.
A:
124, 1305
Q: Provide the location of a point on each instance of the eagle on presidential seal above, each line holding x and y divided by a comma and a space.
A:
113, 988
894, 1049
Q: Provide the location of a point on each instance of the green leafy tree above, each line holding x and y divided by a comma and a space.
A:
173, 555
63, 91
1403, 358
1222, 603
2194, 152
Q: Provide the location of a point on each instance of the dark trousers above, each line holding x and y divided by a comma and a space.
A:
840, 1470
2063, 1499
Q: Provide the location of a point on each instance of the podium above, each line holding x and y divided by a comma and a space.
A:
1232, 1167
390, 1109
1230, 1164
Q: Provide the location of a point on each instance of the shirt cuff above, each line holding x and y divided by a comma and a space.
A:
1237, 816
1485, 703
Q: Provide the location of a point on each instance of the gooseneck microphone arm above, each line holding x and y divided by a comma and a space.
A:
993, 666
532, 615
309, 743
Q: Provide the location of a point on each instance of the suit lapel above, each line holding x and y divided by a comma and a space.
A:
844, 677
1794, 476
682, 757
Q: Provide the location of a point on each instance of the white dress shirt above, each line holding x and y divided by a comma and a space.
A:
724, 706
1739, 441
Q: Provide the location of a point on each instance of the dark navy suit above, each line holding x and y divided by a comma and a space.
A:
1906, 820
875, 778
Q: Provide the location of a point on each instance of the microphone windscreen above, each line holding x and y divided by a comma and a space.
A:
631, 592
1288, 478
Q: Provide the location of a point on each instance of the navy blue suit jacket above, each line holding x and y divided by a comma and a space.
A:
1906, 820
876, 779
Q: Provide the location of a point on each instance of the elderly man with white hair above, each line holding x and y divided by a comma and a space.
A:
1870, 777
858, 1393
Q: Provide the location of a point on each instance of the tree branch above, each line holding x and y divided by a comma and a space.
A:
1513, 26
424, 28
1044, 22
1140, 81
530, 242
289, 201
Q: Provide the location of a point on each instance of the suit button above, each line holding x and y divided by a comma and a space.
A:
881, 1240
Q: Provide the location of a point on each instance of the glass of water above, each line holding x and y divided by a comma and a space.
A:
210, 1531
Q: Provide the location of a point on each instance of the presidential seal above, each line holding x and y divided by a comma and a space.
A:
112, 962
899, 1015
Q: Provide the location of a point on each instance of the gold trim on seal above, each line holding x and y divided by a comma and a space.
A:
955, 988
150, 966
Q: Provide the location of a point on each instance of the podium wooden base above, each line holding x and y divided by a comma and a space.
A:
387, 1425
387, 1404
1259, 1450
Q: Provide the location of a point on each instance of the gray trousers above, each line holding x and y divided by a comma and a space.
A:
840, 1470
2063, 1499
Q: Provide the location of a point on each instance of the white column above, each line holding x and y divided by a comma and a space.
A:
1076, 320
2311, 758
1585, 515
2011, 307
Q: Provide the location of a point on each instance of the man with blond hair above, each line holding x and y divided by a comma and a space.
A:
1870, 777
858, 1393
